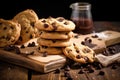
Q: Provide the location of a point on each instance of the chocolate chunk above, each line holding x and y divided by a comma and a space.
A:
57, 71
54, 28
60, 19
114, 66
81, 71
31, 36
43, 21
20, 38
67, 68
22, 46
76, 36
69, 51
4, 28
17, 50
9, 48
86, 58
46, 25
31, 44
11, 27
86, 50
78, 56
86, 39
83, 43
45, 54
66, 23
101, 73
94, 36
77, 51
66, 74
54, 41
44, 47
32, 24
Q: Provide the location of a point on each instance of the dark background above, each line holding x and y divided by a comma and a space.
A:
102, 10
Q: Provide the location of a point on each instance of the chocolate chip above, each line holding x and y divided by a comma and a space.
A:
66, 23
66, 74
8, 38
43, 21
31, 44
69, 51
114, 66
9, 48
60, 19
83, 43
44, 47
45, 54
54, 41
46, 25
76, 36
89, 40
4, 28
101, 73
11, 27
81, 71
94, 36
86, 39
22, 46
17, 50
57, 71
31, 36
32, 24
78, 56
86, 50
67, 68
54, 28
86, 58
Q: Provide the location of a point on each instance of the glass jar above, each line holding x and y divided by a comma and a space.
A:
82, 17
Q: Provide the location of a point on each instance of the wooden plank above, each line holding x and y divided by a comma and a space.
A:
31, 63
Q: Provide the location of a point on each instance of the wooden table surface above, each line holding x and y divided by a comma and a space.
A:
13, 72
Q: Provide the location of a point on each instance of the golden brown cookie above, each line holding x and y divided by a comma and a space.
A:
50, 50
9, 32
26, 19
56, 35
79, 53
55, 24
54, 42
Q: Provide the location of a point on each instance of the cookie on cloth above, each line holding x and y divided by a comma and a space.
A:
50, 50
56, 35
79, 53
9, 32
55, 24
26, 19
54, 42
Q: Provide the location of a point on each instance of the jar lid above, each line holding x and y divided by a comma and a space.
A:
80, 6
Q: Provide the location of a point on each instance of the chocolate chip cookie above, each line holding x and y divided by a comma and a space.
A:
26, 19
55, 24
9, 32
50, 50
54, 42
56, 35
79, 53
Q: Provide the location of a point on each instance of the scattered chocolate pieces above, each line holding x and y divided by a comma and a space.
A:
101, 73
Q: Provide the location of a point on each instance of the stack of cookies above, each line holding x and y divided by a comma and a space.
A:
55, 34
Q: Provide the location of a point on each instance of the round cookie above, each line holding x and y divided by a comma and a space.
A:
56, 35
9, 32
54, 42
50, 50
55, 24
79, 53
27, 19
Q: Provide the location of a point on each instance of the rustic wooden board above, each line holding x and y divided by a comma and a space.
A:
46, 64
